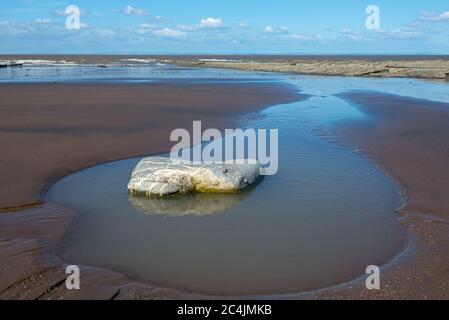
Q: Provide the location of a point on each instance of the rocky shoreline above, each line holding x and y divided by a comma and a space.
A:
408, 66
381, 68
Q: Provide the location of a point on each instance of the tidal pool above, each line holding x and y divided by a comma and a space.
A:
321, 220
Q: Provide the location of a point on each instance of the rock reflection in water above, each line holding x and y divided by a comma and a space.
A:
196, 204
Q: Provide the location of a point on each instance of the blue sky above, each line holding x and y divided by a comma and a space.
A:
225, 26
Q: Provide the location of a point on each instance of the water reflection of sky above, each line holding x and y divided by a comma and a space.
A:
423, 89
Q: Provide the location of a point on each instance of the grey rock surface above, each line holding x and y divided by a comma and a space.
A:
158, 176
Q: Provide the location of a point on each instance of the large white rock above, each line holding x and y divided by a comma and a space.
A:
160, 177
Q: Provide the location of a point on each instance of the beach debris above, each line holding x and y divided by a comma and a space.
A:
159, 176
7, 64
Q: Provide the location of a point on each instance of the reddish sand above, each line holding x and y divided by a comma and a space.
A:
50, 130
408, 138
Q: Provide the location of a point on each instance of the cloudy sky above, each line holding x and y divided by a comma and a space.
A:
225, 26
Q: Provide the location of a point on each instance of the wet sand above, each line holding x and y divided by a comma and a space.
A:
49, 131
409, 139
31, 269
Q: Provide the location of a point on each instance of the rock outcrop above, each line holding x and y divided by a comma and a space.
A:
158, 176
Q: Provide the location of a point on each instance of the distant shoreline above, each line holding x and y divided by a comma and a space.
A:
382, 66
436, 68
246, 56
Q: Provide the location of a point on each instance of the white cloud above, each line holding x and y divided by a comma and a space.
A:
59, 13
186, 27
169, 33
105, 32
350, 34
303, 37
270, 29
379, 35
43, 20
147, 25
401, 34
130, 10
18, 27
62, 13
436, 17
205, 24
213, 31
211, 23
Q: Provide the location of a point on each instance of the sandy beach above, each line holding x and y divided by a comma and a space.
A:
237, 158
52, 130
49, 131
